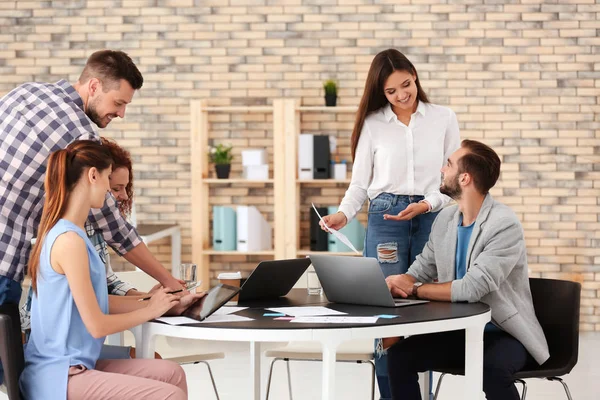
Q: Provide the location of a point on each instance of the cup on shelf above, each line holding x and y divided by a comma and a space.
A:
188, 274
313, 285
231, 279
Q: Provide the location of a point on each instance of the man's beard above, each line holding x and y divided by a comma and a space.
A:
452, 189
93, 114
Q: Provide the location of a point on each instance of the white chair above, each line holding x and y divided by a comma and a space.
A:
356, 351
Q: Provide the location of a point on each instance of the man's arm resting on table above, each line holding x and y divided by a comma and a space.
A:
403, 285
435, 291
141, 257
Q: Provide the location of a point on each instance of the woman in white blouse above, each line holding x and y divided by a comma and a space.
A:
400, 142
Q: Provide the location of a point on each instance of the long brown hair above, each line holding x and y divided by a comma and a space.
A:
373, 98
64, 169
122, 159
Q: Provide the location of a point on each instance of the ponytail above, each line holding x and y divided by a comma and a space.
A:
64, 169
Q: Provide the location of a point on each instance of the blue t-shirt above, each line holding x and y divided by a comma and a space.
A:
462, 247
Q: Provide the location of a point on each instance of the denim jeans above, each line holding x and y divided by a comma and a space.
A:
10, 292
503, 355
395, 244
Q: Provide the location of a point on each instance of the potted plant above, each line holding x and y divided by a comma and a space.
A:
221, 156
330, 87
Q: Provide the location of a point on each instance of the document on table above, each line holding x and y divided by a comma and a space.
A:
337, 234
228, 310
212, 319
335, 320
225, 318
306, 311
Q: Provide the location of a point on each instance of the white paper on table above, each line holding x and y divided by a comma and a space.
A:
335, 320
337, 234
306, 311
177, 320
225, 318
228, 310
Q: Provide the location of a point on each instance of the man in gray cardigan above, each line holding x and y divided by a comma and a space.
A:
476, 252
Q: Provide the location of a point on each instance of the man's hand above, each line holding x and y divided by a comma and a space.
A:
185, 302
173, 283
400, 285
409, 212
158, 286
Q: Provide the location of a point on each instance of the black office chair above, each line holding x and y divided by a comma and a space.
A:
11, 348
556, 305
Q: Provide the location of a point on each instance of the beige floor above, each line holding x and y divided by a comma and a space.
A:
231, 375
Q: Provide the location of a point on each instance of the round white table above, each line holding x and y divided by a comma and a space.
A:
412, 320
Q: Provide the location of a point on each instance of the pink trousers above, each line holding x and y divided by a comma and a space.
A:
128, 379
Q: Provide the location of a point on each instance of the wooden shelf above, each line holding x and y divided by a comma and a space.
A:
234, 180
347, 109
323, 181
214, 252
227, 109
306, 252
284, 182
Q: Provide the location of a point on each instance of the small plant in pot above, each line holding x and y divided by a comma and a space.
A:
221, 156
330, 87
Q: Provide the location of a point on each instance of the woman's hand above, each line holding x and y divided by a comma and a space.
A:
185, 302
161, 302
409, 212
335, 221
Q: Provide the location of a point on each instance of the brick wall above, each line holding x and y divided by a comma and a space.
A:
522, 76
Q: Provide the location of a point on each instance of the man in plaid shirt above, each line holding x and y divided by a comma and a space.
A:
37, 119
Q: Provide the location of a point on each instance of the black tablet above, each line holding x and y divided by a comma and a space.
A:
214, 299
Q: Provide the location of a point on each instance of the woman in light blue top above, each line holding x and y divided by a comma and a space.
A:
71, 309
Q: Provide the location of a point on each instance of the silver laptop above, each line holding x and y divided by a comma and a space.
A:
355, 280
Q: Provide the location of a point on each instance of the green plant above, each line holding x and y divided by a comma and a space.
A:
221, 154
330, 87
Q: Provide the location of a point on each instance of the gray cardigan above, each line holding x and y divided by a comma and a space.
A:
497, 272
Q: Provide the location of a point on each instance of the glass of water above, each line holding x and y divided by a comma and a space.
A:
187, 273
313, 284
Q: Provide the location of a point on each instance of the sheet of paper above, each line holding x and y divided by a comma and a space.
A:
335, 320
225, 318
212, 319
228, 310
337, 234
177, 320
306, 311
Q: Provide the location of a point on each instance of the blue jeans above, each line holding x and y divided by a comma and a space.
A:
395, 244
10, 292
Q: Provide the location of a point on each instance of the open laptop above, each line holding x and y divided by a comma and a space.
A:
355, 280
273, 279
214, 299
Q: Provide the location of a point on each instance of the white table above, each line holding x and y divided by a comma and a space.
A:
412, 321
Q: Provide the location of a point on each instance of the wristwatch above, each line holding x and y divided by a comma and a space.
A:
416, 286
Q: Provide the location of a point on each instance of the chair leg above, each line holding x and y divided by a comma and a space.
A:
287, 365
372, 378
212, 379
555, 378
524, 392
270, 375
438, 386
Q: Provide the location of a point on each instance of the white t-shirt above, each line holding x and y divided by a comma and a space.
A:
403, 160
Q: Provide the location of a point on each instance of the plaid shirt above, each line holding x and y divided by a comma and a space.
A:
37, 119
